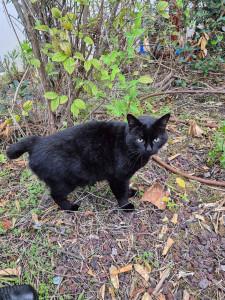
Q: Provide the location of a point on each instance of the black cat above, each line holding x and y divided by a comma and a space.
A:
91, 152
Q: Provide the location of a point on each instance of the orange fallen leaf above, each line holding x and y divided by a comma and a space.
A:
161, 297
6, 224
142, 271
90, 273
167, 246
122, 270
35, 217
89, 213
155, 195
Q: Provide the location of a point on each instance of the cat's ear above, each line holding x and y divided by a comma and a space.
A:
162, 122
132, 121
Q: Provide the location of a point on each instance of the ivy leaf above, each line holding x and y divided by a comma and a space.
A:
145, 79
50, 95
79, 103
35, 62
59, 56
74, 109
54, 103
87, 65
88, 40
63, 99
56, 12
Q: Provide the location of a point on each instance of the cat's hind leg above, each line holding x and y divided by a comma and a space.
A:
60, 199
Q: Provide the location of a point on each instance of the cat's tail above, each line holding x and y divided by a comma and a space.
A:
16, 150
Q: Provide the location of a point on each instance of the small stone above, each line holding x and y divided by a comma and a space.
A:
207, 174
177, 258
170, 297
204, 283
210, 276
114, 251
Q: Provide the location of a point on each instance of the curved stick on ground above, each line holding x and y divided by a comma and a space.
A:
183, 92
172, 169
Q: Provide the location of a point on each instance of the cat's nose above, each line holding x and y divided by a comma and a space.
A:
148, 148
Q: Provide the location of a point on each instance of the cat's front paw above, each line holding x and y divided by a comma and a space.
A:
132, 193
129, 207
74, 207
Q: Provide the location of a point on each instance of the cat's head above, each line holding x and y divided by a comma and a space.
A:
146, 135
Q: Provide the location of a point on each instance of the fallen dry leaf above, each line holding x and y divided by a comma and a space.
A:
161, 297
180, 182
148, 267
173, 156
114, 278
146, 46
17, 205
6, 224
177, 140
163, 231
155, 195
200, 217
142, 271
2, 126
111, 291
90, 273
89, 213
186, 295
146, 297
102, 292
122, 270
174, 219
167, 246
8, 272
35, 217
195, 130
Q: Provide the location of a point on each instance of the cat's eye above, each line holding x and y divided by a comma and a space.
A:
156, 140
140, 140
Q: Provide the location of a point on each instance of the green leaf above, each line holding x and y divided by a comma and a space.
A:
179, 3
94, 90
162, 5
122, 77
63, 99
106, 60
18, 117
79, 56
27, 105
56, 12
145, 79
54, 103
165, 15
137, 22
24, 113
66, 47
50, 95
79, 103
69, 65
87, 65
74, 109
87, 88
59, 56
41, 27
135, 73
88, 40
96, 63
35, 62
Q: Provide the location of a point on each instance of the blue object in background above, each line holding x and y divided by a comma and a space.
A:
142, 48
178, 51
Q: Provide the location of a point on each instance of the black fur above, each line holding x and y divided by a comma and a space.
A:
91, 152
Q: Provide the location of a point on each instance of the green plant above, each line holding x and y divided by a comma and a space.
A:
218, 152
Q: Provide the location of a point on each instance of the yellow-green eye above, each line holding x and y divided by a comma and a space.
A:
140, 140
156, 140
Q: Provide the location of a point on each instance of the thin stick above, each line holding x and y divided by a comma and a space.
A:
172, 169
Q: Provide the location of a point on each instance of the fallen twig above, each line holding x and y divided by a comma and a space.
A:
172, 169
